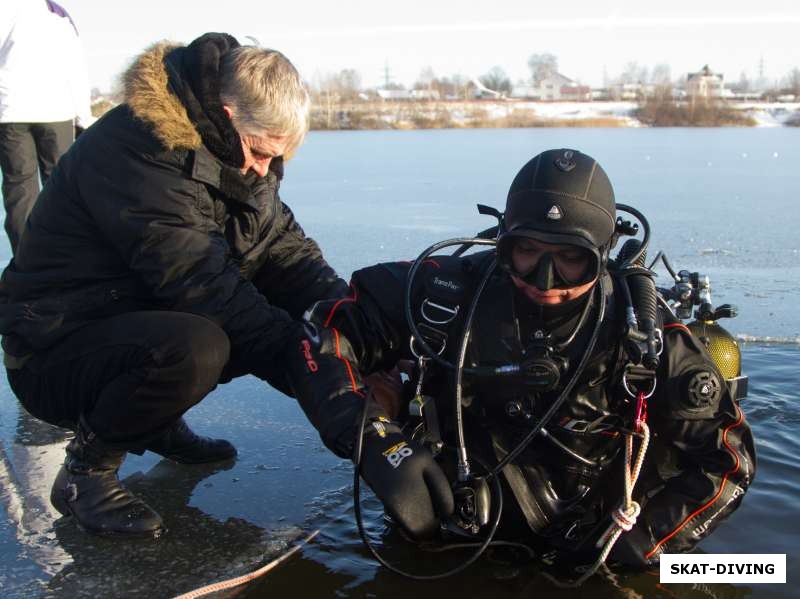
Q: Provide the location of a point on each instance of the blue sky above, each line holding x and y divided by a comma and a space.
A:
467, 37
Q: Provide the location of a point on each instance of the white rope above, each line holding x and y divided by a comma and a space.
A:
624, 517
233, 582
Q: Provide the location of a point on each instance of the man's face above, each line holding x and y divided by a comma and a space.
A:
571, 262
260, 150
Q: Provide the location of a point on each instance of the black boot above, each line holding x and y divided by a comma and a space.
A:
180, 444
88, 489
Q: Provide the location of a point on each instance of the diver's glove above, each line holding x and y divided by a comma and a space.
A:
405, 477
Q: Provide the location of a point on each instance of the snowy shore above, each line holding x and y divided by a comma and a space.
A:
765, 114
479, 114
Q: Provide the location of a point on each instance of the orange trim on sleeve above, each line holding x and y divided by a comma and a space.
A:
718, 493
678, 325
353, 298
426, 261
346, 364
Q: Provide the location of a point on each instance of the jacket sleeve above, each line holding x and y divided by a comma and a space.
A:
702, 447
362, 332
295, 274
149, 212
371, 316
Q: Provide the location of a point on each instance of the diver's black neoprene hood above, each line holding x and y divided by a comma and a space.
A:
561, 196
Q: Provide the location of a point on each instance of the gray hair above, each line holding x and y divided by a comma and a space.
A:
265, 93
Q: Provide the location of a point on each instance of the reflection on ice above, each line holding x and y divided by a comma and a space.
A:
28, 465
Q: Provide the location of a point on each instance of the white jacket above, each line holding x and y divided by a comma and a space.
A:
43, 75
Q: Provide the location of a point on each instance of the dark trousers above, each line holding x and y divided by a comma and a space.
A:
130, 376
28, 149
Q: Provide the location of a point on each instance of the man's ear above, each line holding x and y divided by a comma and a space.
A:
228, 111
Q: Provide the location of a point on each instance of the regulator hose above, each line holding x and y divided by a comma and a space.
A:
643, 297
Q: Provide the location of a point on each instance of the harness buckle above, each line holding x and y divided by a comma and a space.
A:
632, 371
450, 312
432, 337
658, 336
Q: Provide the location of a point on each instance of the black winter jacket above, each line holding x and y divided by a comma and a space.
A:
141, 215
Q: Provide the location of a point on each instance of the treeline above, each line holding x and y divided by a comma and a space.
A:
347, 84
663, 110
438, 115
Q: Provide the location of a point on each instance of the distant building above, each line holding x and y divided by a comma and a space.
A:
405, 94
394, 94
743, 96
576, 93
424, 94
525, 90
553, 87
634, 90
704, 84
550, 87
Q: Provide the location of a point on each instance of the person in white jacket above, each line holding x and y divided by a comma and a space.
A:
44, 96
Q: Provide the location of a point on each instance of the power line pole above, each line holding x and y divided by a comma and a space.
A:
387, 79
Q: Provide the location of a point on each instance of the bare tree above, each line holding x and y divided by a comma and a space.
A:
793, 81
344, 85
349, 83
461, 85
743, 85
542, 66
425, 79
633, 73
333, 89
496, 80
661, 75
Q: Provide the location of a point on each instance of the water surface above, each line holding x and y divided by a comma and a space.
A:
721, 201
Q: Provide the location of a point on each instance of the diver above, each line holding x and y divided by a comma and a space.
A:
608, 435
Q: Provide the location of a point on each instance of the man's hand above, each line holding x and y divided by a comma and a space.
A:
386, 387
405, 477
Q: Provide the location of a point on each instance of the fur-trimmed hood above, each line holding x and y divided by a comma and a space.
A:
146, 91
175, 90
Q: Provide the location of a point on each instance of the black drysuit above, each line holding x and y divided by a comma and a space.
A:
701, 457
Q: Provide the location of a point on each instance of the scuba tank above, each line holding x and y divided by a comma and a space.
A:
693, 289
721, 345
719, 342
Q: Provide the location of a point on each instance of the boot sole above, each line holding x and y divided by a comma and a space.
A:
62, 507
210, 460
113, 534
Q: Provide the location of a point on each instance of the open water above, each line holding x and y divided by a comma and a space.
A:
725, 202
